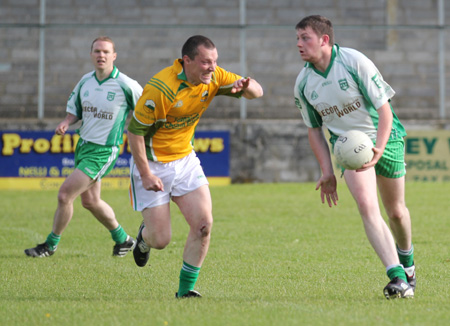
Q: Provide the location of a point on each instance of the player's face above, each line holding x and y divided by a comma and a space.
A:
200, 69
103, 55
309, 45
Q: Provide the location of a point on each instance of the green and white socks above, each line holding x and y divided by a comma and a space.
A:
406, 258
393, 271
52, 241
119, 235
188, 278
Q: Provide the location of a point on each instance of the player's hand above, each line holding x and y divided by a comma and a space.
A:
240, 85
62, 128
153, 183
377, 153
328, 189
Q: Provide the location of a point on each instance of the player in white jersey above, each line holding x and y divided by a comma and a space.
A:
103, 106
102, 100
341, 89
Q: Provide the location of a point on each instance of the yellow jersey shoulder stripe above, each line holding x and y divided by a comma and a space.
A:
163, 87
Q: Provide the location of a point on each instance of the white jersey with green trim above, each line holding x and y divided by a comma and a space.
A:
103, 106
346, 96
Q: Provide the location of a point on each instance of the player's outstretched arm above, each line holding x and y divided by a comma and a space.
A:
250, 88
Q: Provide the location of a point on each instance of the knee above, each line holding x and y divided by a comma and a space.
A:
159, 244
398, 213
158, 240
204, 227
88, 202
367, 209
64, 197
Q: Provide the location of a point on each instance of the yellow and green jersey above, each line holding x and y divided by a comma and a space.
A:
170, 108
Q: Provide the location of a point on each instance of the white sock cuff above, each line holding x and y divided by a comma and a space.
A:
393, 266
406, 252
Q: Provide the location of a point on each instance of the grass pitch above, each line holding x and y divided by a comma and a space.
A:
278, 256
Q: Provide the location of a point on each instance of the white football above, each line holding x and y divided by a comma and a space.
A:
353, 149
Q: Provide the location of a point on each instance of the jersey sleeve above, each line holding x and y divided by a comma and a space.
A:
225, 79
132, 91
150, 111
74, 102
369, 80
310, 116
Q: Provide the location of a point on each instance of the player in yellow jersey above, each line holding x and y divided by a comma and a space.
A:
164, 165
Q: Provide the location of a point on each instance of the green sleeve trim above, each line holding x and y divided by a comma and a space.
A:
314, 116
226, 90
139, 129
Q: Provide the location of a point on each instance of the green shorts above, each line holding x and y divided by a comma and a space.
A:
392, 163
95, 160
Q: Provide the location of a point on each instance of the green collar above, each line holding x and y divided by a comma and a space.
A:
324, 74
114, 74
181, 75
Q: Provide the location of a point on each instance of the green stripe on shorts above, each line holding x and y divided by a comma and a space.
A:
392, 163
96, 161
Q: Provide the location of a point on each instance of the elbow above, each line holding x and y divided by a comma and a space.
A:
255, 93
261, 92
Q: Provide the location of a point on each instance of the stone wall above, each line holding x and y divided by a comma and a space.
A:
271, 145
149, 35
267, 151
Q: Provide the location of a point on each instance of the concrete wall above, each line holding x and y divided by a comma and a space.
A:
149, 35
271, 145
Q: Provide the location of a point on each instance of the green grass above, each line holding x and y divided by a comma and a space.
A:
277, 257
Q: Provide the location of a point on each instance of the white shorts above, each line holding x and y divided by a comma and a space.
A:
178, 177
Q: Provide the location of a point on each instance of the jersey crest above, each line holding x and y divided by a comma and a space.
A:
110, 96
343, 84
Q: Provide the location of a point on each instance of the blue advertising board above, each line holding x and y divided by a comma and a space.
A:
42, 160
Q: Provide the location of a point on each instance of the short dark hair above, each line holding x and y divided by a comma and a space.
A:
190, 47
319, 24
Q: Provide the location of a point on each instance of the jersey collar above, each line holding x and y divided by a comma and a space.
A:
179, 67
114, 74
178, 64
324, 74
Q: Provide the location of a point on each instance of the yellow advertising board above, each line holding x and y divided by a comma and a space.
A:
41, 160
427, 155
